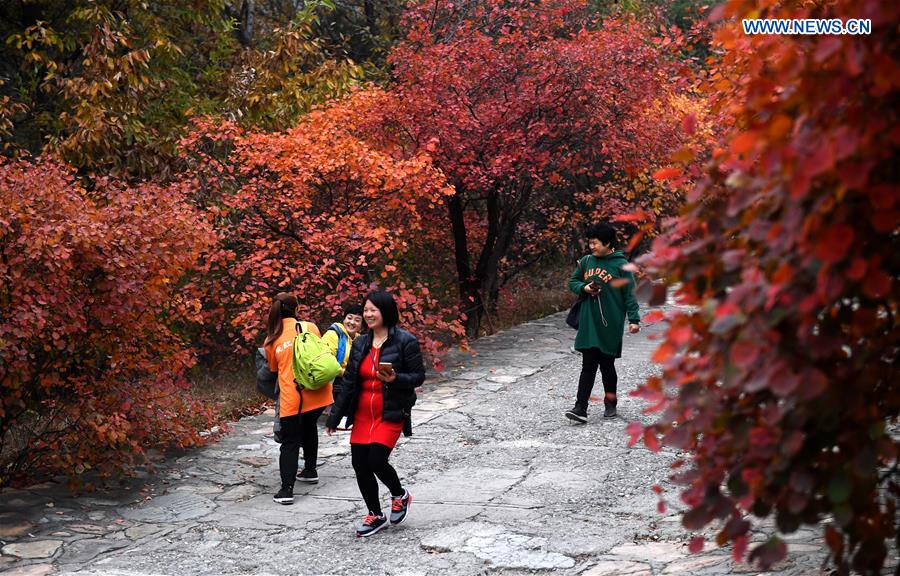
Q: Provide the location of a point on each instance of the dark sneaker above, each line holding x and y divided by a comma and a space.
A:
578, 414
371, 524
610, 411
308, 476
285, 496
400, 508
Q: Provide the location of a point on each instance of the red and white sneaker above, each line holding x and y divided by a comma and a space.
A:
371, 524
400, 507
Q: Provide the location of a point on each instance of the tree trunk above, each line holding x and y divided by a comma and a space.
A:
369, 7
503, 217
478, 289
246, 21
470, 302
489, 275
490, 285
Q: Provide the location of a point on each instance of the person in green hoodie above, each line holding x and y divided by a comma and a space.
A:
601, 278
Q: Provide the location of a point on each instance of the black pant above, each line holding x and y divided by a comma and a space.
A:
369, 461
298, 430
591, 359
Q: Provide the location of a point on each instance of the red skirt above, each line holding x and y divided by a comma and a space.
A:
368, 426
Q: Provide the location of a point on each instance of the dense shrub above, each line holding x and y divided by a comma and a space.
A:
90, 371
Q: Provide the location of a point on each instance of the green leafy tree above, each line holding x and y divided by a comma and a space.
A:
109, 86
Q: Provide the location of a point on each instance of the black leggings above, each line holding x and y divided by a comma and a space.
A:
591, 359
369, 461
298, 430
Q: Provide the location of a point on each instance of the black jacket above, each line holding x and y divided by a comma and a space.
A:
400, 349
266, 380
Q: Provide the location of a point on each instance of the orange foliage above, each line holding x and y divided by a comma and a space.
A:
315, 210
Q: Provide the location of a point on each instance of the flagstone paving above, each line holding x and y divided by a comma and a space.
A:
502, 483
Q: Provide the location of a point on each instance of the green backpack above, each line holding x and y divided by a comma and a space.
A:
313, 362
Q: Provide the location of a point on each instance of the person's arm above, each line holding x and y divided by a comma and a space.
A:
576, 282
270, 357
331, 340
266, 378
631, 305
414, 374
339, 410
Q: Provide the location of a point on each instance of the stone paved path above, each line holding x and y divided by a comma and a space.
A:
501, 483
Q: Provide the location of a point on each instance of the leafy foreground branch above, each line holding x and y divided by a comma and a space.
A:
783, 383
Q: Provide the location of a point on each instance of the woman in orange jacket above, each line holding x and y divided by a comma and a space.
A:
298, 410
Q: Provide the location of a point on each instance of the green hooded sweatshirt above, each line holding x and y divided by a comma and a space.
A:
601, 322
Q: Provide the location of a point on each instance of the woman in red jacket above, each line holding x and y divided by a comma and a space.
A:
380, 390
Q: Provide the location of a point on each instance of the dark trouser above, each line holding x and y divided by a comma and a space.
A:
298, 430
591, 359
369, 461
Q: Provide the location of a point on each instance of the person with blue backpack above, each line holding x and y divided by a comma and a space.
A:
339, 337
299, 408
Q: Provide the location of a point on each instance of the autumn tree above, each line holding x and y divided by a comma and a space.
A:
363, 30
91, 371
521, 105
780, 378
109, 86
317, 211
288, 68
103, 82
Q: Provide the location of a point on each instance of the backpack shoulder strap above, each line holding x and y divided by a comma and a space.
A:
342, 337
582, 261
301, 328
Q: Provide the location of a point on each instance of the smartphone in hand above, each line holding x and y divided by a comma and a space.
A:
385, 367
595, 285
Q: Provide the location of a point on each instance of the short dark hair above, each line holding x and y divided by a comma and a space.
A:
353, 309
386, 304
602, 232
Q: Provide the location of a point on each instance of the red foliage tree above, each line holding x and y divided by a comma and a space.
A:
90, 369
318, 211
782, 381
522, 104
